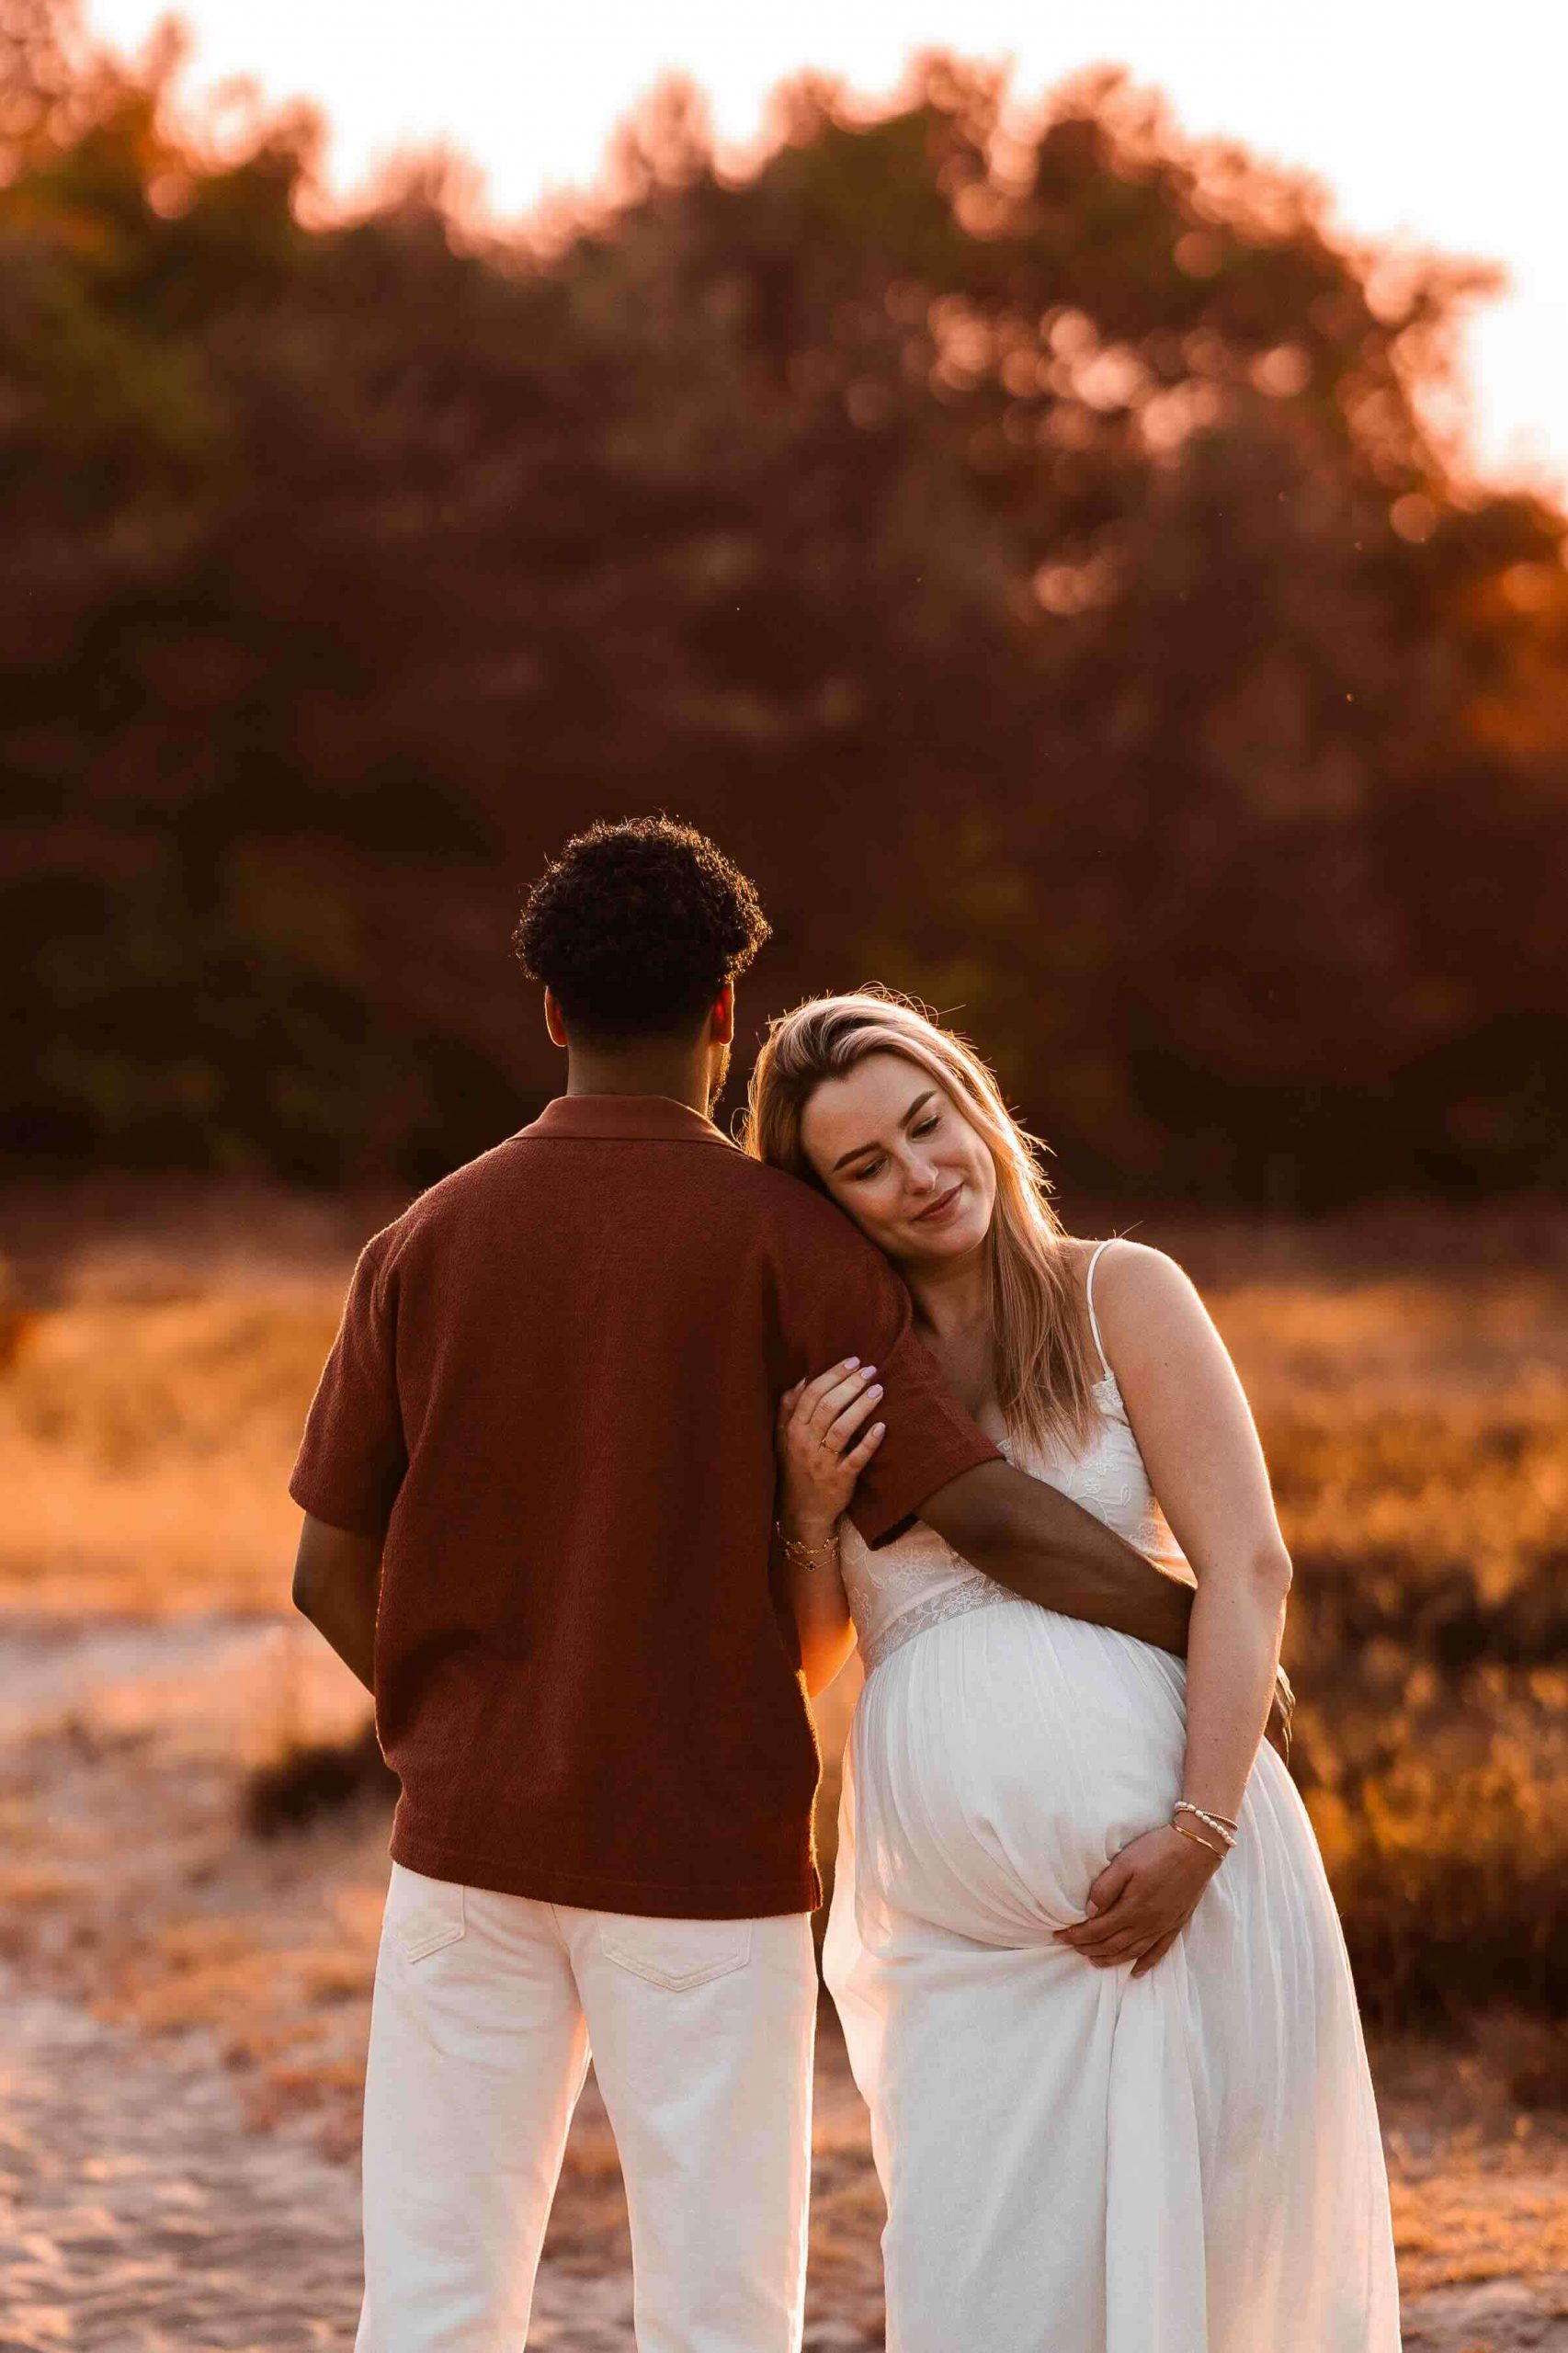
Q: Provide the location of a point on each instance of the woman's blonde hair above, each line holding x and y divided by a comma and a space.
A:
1043, 1354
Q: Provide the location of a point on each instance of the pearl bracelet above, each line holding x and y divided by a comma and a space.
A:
1217, 1823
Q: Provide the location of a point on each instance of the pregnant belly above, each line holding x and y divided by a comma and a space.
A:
1000, 1759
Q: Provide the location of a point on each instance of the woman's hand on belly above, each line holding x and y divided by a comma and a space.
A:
1142, 1900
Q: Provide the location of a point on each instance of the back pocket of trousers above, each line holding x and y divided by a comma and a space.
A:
675, 1953
424, 1914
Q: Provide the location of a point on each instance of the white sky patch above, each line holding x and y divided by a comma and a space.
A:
1431, 122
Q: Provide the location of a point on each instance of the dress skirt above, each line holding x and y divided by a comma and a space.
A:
1077, 2161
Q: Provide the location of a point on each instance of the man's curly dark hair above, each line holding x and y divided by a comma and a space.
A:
636, 926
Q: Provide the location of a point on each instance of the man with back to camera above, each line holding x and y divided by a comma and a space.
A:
538, 1477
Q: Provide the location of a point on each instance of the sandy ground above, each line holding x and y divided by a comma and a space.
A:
140, 2209
185, 2014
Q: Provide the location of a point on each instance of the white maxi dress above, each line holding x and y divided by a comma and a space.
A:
1075, 2160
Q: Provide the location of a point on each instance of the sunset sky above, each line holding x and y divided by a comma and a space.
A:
1430, 123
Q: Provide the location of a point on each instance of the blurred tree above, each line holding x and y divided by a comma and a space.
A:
1022, 542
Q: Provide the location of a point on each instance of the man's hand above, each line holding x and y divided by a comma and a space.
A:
1142, 1900
1281, 1714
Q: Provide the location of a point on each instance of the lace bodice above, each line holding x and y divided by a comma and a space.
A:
919, 1578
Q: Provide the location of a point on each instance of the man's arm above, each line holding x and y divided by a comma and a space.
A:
337, 1579
350, 1466
1047, 1549
1044, 1547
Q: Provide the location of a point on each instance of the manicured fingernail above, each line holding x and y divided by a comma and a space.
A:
876, 1392
850, 1363
866, 1370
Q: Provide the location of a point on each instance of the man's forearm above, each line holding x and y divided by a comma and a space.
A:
349, 1622
1047, 1549
336, 1586
1044, 1547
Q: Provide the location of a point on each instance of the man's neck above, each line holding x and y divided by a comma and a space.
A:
682, 1076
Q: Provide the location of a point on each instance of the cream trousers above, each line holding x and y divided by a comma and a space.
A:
487, 2009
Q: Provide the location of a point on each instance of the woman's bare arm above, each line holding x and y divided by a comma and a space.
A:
1196, 1432
821, 1621
1196, 1436
824, 1439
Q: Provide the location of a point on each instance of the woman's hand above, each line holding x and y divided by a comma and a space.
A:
1142, 1900
824, 1448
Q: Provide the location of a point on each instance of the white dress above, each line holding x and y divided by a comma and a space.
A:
1077, 2161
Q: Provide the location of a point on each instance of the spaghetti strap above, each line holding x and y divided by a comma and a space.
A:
1089, 1296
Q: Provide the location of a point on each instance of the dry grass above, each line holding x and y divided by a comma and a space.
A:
154, 1399
1410, 1376
1417, 1432
141, 1444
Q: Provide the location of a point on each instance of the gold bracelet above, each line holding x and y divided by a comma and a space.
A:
804, 1556
1199, 1840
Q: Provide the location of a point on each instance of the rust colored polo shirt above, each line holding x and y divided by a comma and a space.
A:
552, 1395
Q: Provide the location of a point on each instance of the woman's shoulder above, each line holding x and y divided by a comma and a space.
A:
1117, 1262
1118, 1250
1132, 1286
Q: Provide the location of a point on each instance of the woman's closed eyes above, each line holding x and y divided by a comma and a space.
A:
874, 1168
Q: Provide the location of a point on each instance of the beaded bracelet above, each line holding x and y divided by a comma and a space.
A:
1219, 1824
804, 1556
1226, 1822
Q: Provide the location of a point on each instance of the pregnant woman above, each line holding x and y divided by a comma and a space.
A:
1090, 1972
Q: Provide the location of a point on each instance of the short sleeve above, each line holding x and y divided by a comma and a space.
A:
841, 1297
352, 1456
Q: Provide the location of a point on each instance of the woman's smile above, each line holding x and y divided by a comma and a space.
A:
939, 1212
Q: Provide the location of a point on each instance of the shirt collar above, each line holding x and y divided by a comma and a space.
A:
625, 1119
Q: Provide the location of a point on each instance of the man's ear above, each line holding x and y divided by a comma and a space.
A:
553, 1020
721, 1028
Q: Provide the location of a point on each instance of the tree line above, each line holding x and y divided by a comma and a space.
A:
1025, 544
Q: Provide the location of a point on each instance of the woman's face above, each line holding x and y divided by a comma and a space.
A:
893, 1149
